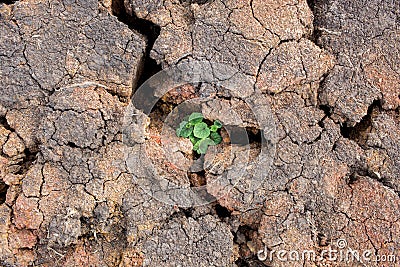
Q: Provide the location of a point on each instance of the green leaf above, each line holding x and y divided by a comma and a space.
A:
218, 123
201, 130
199, 133
193, 139
216, 138
195, 118
184, 130
181, 126
213, 128
196, 145
203, 145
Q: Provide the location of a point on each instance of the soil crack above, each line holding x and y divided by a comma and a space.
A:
146, 28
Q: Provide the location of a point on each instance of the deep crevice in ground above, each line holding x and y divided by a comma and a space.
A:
253, 135
4, 123
359, 132
199, 2
146, 28
8, 2
22, 162
316, 33
244, 239
222, 212
3, 192
314, 37
28, 160
327, 110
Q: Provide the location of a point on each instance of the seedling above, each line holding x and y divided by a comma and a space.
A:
200, 133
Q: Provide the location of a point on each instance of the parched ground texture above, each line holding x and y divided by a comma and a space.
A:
329, 69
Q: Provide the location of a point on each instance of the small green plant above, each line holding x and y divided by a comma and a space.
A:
200, 134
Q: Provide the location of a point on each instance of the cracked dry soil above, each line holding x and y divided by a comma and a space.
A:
330, 70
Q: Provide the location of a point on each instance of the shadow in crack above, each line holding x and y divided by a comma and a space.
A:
243, 238
199, 2
360, 131
148, 29
3, 192
8, 2
316, 34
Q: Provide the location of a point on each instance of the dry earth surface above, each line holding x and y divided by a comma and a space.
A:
329, 69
